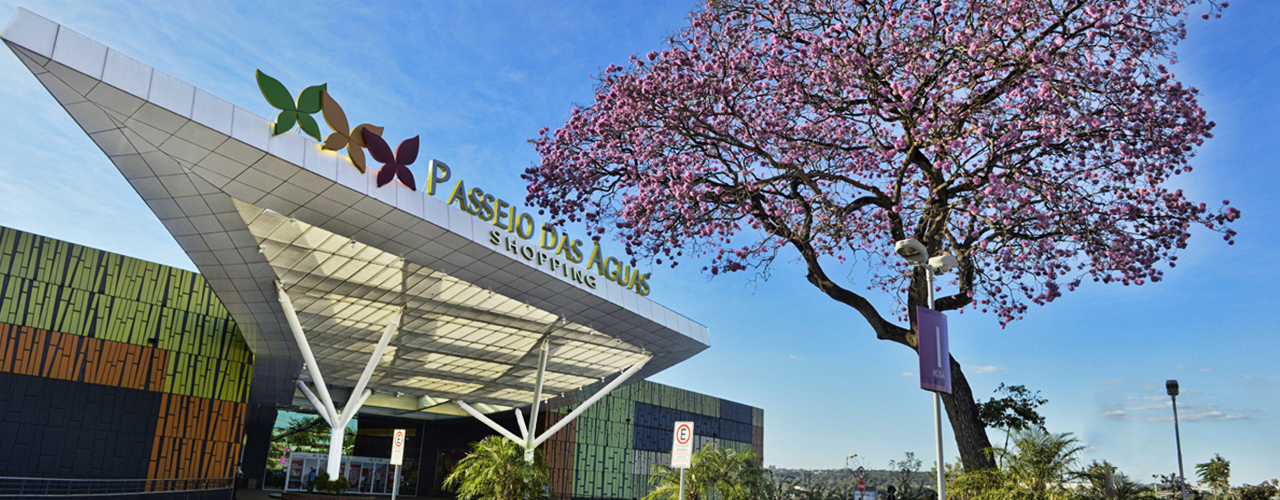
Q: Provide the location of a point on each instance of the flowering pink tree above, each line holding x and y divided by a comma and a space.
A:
1031, 139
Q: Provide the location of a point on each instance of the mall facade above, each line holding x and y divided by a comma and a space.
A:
332, 293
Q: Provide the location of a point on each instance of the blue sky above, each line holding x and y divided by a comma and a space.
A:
477, 79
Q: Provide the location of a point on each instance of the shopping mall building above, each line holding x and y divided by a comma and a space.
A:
333, 292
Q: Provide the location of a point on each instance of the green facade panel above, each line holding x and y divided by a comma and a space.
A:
609, 462
53, 285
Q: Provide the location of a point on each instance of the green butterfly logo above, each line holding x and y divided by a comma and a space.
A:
292, 113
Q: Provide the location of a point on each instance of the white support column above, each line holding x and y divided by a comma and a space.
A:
376, 358
337, 420
301, 338
543, 354
591, 401
486, 421
324, 412
524, 429
527, 437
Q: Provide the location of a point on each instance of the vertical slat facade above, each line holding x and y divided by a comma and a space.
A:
73, 313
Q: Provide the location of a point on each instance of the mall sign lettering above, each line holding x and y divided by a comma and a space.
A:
554, 249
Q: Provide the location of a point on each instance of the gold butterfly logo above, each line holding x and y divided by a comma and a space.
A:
340, 138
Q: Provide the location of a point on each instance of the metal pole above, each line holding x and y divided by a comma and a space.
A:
395, 488
937, 404
1178, 439
682, 483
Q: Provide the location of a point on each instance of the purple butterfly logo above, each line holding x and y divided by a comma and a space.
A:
393, 165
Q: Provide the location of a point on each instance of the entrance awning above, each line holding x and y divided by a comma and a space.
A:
251, 209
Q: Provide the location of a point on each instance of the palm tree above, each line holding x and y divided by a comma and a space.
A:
1217, 474
1036, 468
496, 470
714, 474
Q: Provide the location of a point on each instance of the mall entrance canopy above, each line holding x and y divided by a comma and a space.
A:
280, 227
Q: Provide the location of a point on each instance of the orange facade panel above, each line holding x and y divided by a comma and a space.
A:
196, 436
63, 356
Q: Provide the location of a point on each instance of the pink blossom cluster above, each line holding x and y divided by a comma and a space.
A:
1032, 139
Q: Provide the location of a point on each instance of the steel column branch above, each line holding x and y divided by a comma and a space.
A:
324, 412
524, 429
591, 401
492, 425
301, 338
543, 354
324, 403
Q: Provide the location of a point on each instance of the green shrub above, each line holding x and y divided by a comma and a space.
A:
1263, 491
321, 482
339, 485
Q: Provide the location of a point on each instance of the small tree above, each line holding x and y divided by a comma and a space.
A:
1016, 411
1036, 468
720, 473
1216, 473
904, 477
496, 470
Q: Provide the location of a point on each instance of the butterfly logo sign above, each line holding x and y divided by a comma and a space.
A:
394, 166
292, 112
353, 141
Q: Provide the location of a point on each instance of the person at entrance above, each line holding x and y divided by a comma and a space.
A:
311, 480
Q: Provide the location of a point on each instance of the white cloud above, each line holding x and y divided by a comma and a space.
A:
984, 368
1112, 381
908, 374
1144, 410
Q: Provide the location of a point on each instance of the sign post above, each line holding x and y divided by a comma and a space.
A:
935, 351
397, 458
935, 369
682, 450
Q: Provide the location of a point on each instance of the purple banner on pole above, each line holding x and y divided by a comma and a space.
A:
935, 352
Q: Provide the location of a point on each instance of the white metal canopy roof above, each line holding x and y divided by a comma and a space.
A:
250, 208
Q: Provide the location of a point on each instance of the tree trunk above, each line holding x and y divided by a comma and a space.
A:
962, 412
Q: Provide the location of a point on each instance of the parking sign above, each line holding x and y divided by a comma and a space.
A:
682, 446
397, 447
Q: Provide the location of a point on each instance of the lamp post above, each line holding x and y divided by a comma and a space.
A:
1171, 386
917, 255
850, 468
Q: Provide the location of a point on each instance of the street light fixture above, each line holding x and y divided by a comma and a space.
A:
917, 255
850, 469
1171, 386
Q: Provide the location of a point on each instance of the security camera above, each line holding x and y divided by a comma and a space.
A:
943, 263
912, 250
